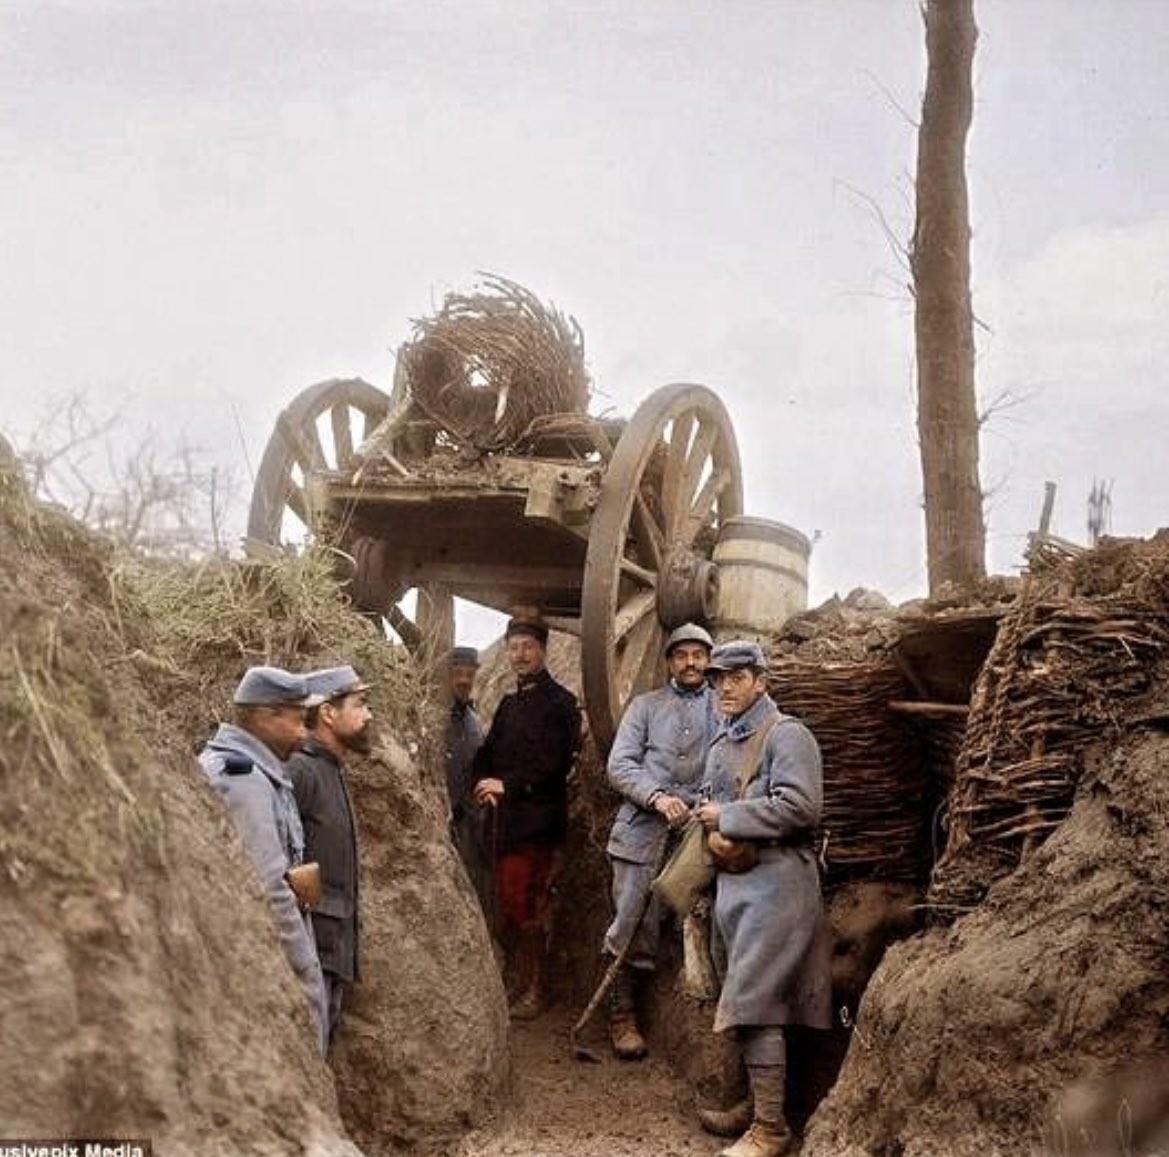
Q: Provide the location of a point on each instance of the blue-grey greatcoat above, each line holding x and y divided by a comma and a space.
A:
770, 919
660, 748
258, 795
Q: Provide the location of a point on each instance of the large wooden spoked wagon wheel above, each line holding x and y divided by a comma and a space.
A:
672, 481
321, 431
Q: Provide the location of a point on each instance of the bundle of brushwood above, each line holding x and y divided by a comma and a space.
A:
875, 777
1075, 662
491, 364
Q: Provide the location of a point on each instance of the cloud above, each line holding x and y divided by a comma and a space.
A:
1087, 311
1079, 340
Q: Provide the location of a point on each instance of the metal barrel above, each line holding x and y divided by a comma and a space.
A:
762, 577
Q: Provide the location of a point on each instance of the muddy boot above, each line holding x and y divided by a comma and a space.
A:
768, 1135
727, 1122
527, 1004
628, 1043
625, 1036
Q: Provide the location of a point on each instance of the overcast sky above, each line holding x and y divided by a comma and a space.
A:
205, 208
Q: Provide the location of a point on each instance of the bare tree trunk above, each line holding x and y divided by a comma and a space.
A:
947, 415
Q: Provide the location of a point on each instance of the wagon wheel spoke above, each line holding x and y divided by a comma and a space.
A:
632, 615
647, 668
698, 462
703, 508
691, 467
637, 644
643, 575
297, 502
682, 430
341, 419
649, 534
302, 441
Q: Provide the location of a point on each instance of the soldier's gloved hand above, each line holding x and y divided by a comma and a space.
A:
672, 808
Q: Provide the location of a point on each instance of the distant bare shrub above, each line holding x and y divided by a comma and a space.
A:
169, 500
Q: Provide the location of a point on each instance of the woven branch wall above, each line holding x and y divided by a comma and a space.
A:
1072, 663
875, 772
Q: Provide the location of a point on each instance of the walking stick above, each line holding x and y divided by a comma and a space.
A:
581, 1051
495, 923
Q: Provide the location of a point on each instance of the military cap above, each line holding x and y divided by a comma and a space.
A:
334, 683
462, 657
532, 625
688, 633
273, 687
736, 654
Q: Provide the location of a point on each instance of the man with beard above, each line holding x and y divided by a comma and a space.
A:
244, 762
656, 765
341, 724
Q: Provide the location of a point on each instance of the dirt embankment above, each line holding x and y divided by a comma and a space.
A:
423, 1052
145, 991
1040, 1022
144, 994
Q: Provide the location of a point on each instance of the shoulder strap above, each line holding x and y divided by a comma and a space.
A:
753, 754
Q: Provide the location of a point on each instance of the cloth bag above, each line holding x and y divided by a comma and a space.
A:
688, 872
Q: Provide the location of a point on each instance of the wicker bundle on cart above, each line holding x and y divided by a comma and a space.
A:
1072, 660
491, 363
875, 777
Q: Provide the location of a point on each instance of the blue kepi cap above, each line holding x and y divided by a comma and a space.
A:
462, 657
334, 683
273, 687
736, 654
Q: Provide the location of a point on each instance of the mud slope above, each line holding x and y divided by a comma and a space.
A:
1040, 1022
422, 1055
145, 994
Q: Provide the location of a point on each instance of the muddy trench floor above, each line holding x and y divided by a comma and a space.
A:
562, 1105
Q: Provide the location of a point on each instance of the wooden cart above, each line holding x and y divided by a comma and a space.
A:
607, 526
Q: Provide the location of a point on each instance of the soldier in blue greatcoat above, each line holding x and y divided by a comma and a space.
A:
656, 765
763, 798
244, 760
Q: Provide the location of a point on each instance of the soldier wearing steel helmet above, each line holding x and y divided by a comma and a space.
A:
656, 764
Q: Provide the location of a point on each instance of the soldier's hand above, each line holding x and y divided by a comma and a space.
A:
488, 791
707, 814
672, 808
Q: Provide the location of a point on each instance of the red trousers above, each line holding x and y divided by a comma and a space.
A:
523, 885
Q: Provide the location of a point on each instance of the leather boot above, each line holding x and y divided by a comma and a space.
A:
528, 1001
624, 1035
768, 1135
727, 1122
628, 1043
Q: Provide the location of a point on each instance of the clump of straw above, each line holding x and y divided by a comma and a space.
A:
491, 362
